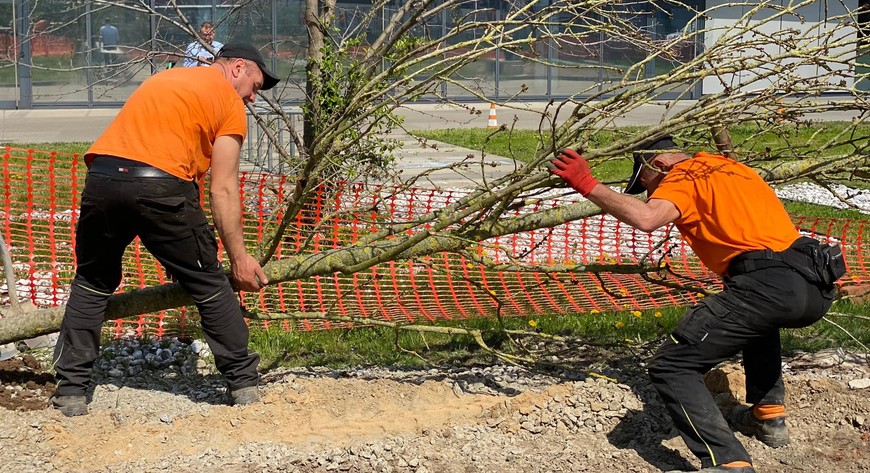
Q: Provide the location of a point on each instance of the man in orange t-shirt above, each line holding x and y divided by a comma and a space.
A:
142, 181
738, 228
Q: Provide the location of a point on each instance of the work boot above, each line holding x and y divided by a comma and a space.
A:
721, 469
244, 396
771, 432
70, 406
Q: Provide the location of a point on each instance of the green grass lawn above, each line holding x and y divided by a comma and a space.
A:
43, 186
523, 145
70, 148
617, 332
47, 69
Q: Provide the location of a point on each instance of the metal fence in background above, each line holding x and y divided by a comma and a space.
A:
260, 154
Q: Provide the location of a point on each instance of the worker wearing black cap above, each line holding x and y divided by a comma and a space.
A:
738, 228
143, 180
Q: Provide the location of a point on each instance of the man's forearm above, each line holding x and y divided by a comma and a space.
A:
633, 211
226, 209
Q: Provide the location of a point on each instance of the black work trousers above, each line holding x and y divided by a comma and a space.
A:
165, 213
745, 317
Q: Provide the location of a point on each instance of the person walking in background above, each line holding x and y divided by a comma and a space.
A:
773, 278
142, 181
109, 38
198, 55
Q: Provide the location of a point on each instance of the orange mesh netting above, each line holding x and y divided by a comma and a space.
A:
40, 209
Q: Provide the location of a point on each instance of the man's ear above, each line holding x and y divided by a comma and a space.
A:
661, 163
237, 66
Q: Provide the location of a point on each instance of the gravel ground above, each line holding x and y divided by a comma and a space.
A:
845, 197
158, 406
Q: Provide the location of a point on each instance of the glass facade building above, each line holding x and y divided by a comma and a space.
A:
58, 53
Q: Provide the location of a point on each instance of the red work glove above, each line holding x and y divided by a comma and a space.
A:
574, 170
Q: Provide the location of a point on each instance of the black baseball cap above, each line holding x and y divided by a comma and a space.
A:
642, 155
248, 51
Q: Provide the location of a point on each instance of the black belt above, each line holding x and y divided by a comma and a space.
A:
111, 169
755, 260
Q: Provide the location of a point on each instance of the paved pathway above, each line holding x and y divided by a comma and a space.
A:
447, 165
65, 125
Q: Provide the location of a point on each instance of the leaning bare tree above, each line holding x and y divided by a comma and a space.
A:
770, 69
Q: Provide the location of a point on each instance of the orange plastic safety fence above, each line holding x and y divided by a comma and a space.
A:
40, 210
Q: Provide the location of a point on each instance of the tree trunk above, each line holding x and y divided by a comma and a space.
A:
723, 141
312, 70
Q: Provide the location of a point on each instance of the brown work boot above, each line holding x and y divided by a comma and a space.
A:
772, 432
70, 406
244, 396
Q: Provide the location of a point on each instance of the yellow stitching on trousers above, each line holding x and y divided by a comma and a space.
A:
210, 298
54, 361
709, 450
92, 290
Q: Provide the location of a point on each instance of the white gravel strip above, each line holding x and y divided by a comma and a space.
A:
815, 194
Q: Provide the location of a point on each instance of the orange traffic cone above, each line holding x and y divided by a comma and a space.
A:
493, 123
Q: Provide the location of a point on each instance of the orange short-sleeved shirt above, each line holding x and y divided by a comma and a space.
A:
726, 209
172, 120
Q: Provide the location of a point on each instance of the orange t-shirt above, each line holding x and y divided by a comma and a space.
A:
725, 209
172, 120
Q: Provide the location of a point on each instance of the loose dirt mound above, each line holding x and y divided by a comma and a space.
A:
378, 419
26, 386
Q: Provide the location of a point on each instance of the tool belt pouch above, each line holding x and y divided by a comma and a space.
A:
834, 266
817, 262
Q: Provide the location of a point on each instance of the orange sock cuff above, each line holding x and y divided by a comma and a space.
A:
739, 464
768, 411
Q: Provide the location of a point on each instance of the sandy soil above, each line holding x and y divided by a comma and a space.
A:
377, 419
